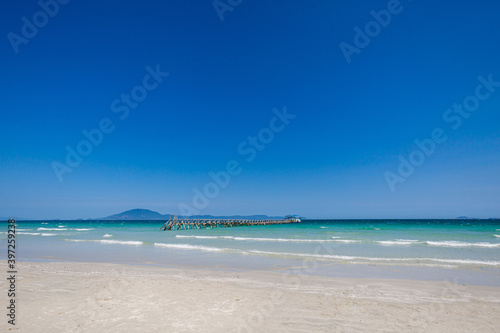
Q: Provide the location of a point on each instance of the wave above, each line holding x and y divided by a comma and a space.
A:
338, 239
497, 236
83, 229
399, 242
24, 230
44, 234
44, 223
51, 229
346, 241
324, 227
350, 259
107, 235
303, 255
204, 237
462, 244
466, 261
29, 233
190, 247
107, 241
312, 256
298, 240
258, 239
62, 226
353, 259
408, 242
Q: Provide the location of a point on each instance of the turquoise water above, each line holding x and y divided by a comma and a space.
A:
334, 246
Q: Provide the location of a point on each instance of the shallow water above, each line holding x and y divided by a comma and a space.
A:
358, 248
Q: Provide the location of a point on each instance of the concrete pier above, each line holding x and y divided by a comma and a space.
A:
187, 224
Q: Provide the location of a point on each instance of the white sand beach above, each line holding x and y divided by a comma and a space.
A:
93, 297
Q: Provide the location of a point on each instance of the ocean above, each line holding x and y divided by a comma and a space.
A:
466, 251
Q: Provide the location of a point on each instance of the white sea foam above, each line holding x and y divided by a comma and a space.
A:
497, 236
29, 233
324, 227
338, 239
204, 237
62, 226
398, 242
466, 261
83, 229
24, 230
258, 239
462, 244
190, 247
347, 241
297, 240
107, 235
51, 229
357, 259
325, 256
45, 223
45, 234
107, 241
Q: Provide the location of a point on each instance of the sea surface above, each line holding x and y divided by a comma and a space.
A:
466, 251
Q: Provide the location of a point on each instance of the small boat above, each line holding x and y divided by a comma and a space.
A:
293, 218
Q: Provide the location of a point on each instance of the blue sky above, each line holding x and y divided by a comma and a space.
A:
352, 120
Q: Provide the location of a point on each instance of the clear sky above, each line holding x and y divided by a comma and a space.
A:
357, 103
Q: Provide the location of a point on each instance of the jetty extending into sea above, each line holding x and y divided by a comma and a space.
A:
187, 224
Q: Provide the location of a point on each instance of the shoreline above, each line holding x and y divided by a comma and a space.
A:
83, 296
482, 276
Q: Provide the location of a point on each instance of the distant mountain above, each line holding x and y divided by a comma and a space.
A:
136, 214
146, 214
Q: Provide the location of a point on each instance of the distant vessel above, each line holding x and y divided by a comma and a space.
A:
293, 218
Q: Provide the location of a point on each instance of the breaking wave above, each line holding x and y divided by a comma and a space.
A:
399, 242
107, 241
51, 229
462, 244
259, 239
190, 247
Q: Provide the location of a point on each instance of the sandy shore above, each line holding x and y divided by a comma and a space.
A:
89, 297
